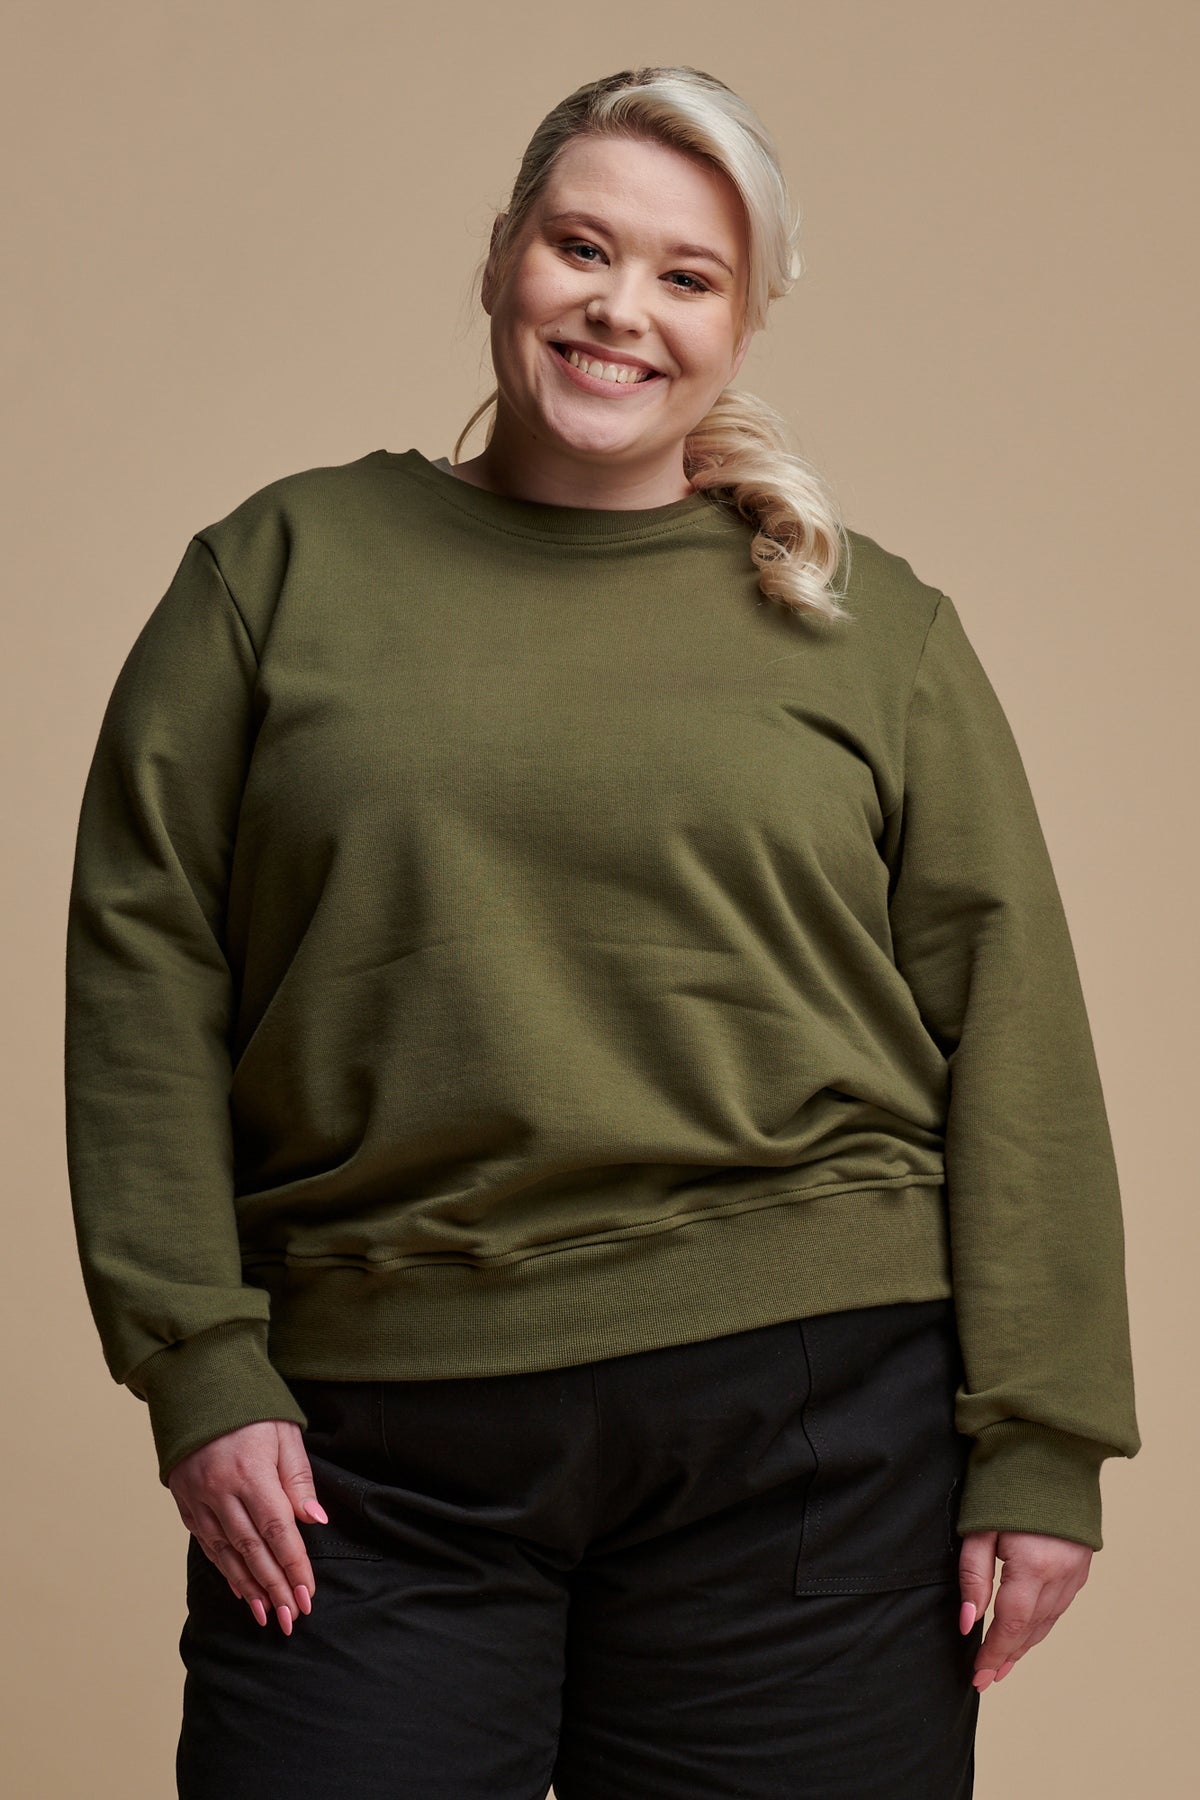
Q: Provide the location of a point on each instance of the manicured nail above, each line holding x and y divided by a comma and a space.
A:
316, 1511
966, 1617
285, 1620
984, 1679
1004, 1669
259, 1611
301, 1593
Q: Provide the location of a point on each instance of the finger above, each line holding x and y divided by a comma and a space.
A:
1021, 1606
209, 1532
192, 1523
250, 1519
1013, 1617
296, 1480
976, 1574
1054, 1603
274, 1505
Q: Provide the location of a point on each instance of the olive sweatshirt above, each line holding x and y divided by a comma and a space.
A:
501, 938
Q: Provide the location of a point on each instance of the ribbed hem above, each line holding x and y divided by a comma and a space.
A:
771, 1259
209, 1384
1026, 1477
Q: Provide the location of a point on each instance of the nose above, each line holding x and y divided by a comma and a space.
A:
620, 305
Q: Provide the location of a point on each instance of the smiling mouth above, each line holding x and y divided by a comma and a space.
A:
634, 378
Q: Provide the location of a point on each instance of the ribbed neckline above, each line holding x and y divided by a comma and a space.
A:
554, 524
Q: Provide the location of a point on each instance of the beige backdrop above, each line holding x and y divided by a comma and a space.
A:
241, 237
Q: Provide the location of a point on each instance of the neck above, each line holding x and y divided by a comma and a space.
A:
522, 468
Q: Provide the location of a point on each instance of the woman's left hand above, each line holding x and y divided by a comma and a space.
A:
1040, 1578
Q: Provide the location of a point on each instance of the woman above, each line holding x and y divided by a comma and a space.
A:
582, 1120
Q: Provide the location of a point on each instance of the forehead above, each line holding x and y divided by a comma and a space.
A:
647, 190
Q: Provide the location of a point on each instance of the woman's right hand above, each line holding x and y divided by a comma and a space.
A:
240, 1496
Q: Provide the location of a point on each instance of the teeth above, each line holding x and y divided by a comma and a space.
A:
619, 372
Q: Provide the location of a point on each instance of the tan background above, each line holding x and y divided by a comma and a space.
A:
241, 237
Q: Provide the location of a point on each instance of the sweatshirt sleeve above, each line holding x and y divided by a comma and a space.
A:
1034, 1209
149, 1008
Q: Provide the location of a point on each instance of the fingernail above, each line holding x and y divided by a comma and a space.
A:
316, 1511
285, 1620
984, 1679
259, 1611
1005, 1668
966, 1617
301, 1593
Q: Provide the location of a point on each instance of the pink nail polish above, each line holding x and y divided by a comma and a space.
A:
316, 1511
259, 1611
966, 1617
285, 1620
302, 1595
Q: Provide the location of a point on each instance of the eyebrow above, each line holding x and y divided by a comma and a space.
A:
601, 225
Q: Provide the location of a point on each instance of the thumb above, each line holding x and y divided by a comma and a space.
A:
296, 1477
976, 1574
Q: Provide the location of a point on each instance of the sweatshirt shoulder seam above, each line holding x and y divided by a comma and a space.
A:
933, 618
199, 538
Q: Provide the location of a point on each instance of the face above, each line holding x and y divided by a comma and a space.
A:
622, 286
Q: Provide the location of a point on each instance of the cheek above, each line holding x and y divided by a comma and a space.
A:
539, 292
702, 357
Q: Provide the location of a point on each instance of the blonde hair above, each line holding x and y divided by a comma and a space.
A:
739, 453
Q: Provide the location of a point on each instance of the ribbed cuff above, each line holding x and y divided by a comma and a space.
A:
1026, 1477
209, 1384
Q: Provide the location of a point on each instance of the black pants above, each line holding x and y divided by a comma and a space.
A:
718, 1571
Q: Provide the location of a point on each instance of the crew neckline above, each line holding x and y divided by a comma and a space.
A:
540, 519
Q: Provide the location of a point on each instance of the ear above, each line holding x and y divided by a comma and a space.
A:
487, 286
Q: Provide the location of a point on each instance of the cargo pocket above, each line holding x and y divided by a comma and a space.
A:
342, 1443
347, 1534
881, 1508
341, 1493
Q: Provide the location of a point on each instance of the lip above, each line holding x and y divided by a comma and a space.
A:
594, 384
596, 353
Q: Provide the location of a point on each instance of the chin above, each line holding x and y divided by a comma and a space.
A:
596, 451
572, 426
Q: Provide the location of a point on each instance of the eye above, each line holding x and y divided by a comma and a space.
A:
574, 246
